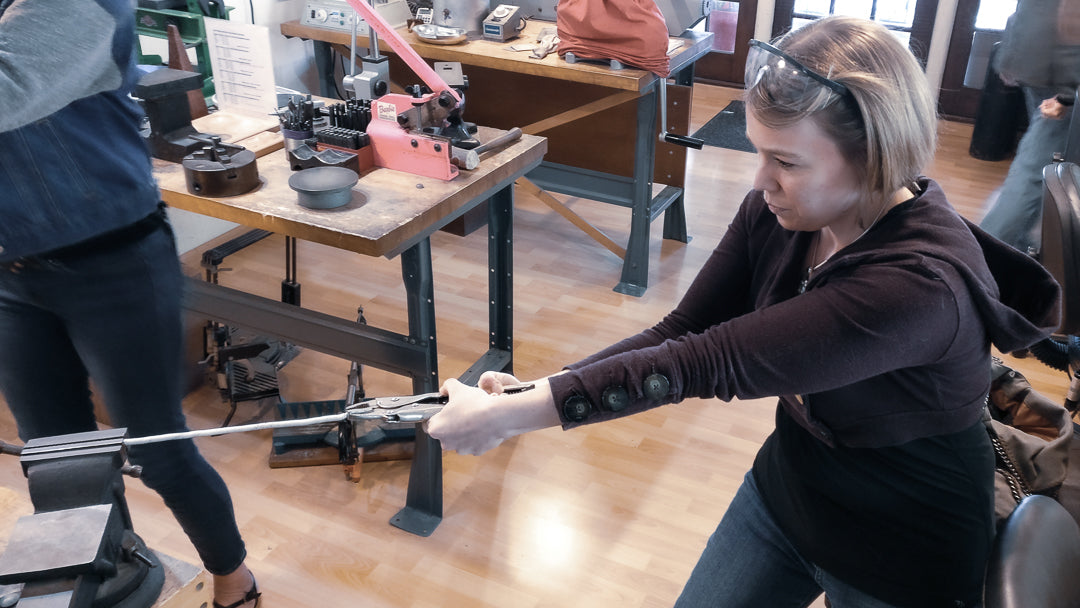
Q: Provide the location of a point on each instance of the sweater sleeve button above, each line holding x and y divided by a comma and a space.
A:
615, 398
656, 386
576, 408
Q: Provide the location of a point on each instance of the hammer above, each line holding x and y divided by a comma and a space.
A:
470, 159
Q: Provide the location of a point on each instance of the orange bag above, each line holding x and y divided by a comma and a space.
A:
630, 31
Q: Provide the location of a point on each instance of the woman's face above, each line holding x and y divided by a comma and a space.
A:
806, 180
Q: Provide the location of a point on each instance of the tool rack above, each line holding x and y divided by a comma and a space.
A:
153, 17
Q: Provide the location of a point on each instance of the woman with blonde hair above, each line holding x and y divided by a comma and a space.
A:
848, 287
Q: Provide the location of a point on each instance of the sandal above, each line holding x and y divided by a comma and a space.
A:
252, 594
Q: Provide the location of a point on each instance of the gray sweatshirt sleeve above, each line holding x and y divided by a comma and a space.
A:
53, 52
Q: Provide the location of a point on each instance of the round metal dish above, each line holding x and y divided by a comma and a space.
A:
439, 34
324, 187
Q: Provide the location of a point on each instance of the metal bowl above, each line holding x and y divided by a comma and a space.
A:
324, 187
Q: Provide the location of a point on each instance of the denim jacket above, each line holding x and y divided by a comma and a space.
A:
72, 161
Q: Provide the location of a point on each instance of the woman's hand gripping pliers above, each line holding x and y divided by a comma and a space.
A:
403, 409
409, 409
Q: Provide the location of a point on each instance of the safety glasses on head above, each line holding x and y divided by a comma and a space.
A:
788, 81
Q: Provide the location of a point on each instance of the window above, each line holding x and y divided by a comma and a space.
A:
993, 15
897, 15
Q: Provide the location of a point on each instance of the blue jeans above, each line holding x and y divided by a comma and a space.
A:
749, 563
115, 317
1016, 217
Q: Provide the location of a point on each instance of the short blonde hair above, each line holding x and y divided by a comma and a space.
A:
890, 129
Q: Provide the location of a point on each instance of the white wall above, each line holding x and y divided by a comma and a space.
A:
939, 43
293, 58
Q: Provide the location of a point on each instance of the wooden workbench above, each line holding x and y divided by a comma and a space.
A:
601, 124
390, 211
392, 214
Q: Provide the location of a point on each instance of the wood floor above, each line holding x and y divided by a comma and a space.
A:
608, 516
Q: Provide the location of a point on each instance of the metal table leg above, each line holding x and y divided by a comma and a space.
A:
675, 214
501, 274
324, 67
423, 503
635, 273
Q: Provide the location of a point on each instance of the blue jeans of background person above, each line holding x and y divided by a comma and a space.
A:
749, 563
1017, 215
115, 317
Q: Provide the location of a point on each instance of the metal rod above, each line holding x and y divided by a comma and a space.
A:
373, 38
352, 45
243, 428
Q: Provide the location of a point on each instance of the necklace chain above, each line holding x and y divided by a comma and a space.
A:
812, 267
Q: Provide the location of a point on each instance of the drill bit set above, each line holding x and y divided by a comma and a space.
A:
342, 144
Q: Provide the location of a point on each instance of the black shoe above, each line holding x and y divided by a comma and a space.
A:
252, 594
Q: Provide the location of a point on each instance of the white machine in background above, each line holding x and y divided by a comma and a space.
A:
338, 15
503, 23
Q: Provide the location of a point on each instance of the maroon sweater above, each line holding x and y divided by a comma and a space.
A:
883, 363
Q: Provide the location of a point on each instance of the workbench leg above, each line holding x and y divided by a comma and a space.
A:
675, 214
423, 503
324, 67
501, 273
635, 272
675, 221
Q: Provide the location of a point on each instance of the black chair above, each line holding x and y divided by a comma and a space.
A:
1071, 154
1060, 255
1035, 558
1060, 251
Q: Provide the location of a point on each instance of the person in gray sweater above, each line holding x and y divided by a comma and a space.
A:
848, 287
1041, 55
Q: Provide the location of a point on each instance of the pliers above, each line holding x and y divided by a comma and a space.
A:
412, 408
408, 408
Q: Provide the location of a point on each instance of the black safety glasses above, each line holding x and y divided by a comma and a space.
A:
765, 62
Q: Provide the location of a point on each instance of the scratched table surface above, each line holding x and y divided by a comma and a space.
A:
389, 211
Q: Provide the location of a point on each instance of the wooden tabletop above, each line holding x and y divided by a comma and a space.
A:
390, 211
499, 56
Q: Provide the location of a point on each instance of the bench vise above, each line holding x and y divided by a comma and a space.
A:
78, 549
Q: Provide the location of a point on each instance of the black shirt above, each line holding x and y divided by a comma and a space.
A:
911, 524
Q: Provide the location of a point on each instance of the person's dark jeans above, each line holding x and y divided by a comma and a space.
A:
114, 316
748, 562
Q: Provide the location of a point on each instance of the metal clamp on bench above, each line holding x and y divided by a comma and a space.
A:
78, 549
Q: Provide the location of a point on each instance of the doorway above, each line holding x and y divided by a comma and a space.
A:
976, 27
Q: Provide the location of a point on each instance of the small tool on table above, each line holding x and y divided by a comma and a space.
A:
470, 159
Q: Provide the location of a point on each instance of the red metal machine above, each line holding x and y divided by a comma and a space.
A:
399, 122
